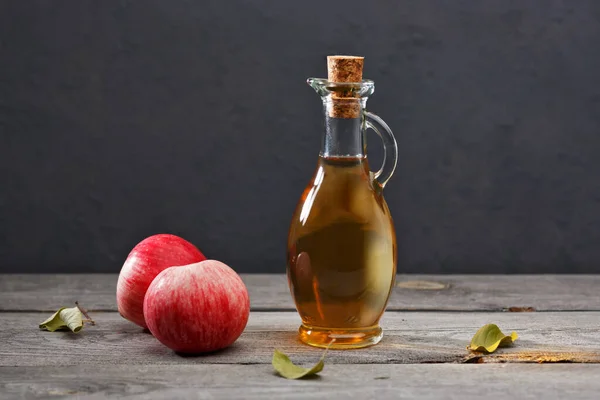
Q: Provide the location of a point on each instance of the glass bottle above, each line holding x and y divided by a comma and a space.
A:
341, 259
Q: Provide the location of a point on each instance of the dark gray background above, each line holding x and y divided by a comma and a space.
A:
122, 119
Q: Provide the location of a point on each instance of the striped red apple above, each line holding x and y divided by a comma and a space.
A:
197, 308
147, 259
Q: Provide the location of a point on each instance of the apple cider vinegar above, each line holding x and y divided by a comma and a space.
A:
342, 255
341, 249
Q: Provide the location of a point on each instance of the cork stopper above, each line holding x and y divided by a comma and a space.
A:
344, 68
344, 103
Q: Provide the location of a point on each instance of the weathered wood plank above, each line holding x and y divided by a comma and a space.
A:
409, 338
335, 382
270, 292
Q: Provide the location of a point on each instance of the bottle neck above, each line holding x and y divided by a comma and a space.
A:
344, 136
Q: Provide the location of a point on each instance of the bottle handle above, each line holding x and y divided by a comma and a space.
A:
390, 148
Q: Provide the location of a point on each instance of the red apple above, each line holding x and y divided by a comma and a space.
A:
147, 259
197, 308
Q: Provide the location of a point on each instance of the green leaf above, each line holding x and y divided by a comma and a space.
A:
489, 337
64, 318
286, 368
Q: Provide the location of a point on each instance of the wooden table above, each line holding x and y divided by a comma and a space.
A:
429, 322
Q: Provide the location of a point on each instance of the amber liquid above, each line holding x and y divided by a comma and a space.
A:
341, 255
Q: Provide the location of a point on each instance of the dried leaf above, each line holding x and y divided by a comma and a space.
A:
286, 368
64, 318
489, 337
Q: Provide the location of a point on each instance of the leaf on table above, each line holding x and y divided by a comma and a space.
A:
489, 337
64, 318
286, 368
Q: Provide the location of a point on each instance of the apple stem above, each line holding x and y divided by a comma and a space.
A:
85, 314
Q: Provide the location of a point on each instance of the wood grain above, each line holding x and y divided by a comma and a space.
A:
270, 292
210, 381
115, 358
409, 338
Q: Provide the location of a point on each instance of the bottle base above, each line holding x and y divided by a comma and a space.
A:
340, 338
